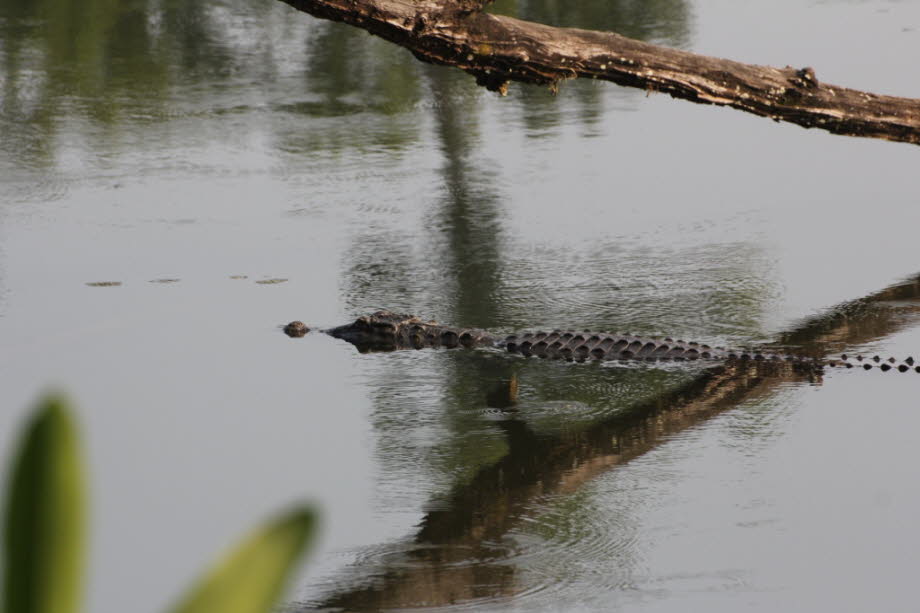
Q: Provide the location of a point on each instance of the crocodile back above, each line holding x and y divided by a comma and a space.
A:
389, 331
587, 345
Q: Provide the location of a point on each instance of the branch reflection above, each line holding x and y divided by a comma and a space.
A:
461, 551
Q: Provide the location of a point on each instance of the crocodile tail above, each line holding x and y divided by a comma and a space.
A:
846, 361
587, 345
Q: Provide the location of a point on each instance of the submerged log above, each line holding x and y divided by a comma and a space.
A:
497, 49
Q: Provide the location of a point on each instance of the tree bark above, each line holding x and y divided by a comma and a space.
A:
497, 49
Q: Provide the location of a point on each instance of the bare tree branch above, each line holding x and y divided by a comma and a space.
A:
498, 49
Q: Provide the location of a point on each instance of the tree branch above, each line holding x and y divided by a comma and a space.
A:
497, 49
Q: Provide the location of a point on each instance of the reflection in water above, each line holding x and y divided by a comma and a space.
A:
854, 323
344, 67
504, 464
509, 467
663, 21
467, 225
350, 75
472, 546
108, 61
116, 63
716, 289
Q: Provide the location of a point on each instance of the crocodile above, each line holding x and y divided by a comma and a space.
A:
389, 331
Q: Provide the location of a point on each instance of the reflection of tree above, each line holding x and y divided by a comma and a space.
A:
854, 323
462, 256
103, 59
664, 21
456, 554
611, 283
349, 75
469, 208
113, 62
661, 21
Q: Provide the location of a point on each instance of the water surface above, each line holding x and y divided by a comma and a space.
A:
179, 179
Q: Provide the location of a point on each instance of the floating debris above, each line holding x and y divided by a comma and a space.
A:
270, 281
165, 280
104, 283
239, 276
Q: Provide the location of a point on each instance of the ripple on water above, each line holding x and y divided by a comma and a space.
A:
569, 547
412, 574
711, 293
559, 395
410, 555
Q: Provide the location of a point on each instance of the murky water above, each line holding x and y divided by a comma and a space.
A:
180, 178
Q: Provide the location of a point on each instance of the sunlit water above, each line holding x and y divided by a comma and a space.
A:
179, 180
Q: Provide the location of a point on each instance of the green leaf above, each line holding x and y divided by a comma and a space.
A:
43, 540
252, 578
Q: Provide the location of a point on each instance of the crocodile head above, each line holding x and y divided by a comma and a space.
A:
296, 329
378, 331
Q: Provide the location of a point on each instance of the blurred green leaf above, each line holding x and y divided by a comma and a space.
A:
43, 539
251, 578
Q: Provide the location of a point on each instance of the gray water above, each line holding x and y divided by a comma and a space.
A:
178, 179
